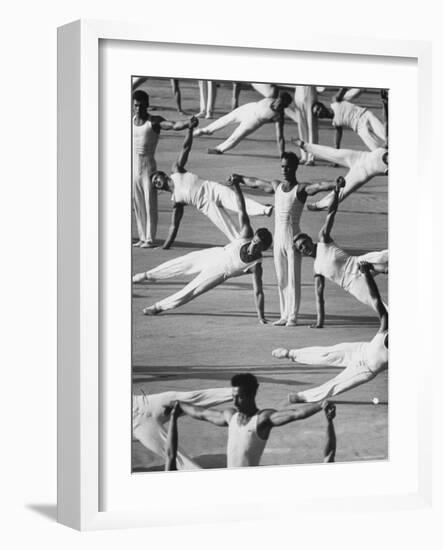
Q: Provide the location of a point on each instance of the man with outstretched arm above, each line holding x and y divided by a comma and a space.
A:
290, 198
249, 427
209, 197
335, 264
214, 266
362, 360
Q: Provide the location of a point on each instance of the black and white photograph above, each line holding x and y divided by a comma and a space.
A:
259, 274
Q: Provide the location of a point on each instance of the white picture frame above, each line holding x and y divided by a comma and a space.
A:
80, 394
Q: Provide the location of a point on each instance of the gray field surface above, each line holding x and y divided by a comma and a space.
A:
202, 344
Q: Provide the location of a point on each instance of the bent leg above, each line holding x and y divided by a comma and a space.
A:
331, 356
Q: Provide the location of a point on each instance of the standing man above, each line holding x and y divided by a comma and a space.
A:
290, 198
250, 117
214, 266
209, 197
347, 115
145, 133
362, 165
362, 360
335, 264
248, 426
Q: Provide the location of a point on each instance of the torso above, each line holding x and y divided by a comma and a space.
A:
187, 188
144, 138
288, 210
331, 262
245, 447
234, 264
346, 114
263, 111
375, 354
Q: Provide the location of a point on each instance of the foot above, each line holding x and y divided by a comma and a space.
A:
138, 243
197, 132
269, 210
280, 353
291, 323
201, 114
280, 323
295, 398
214, 152
313, 207
148, 244
151, 310
208, 116
298, 142
139, 278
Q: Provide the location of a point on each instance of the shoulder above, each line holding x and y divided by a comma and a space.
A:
264, 415
229, 414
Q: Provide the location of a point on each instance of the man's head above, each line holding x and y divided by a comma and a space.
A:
160, 180
289, 165
261, 241
244, 390
140, 102
282, 101
304, 244
320, 111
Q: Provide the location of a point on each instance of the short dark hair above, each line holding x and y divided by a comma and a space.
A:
316, 104
158, 173
247, 381
291, 157
140, 95
265, 237
301, 236
285, 96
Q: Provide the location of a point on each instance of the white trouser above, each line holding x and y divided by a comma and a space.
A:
144, 196
208, 93
271, 91
372, 131
339, 355
353, 93
189, 264
357, 175
358, 286
217, 198
304, 98
149, 418
287, 263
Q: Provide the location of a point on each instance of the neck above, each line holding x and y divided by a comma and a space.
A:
250, 409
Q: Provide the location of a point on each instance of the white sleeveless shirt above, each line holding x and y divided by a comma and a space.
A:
375, 354
288, 210
346, 114
263, 112
144, 139
233, 265
245, 447
187, 188
331, 262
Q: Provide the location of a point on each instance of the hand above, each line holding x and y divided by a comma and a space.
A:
193, 122
235, 179
280, 353
340, 182
316, 325
176, 410
329, 409
299, 143
263, 321
364, 266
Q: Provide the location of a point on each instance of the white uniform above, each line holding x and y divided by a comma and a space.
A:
361, 120
245, 447
149, 417
339, 267
288, 211
144, 194
208, 93
363, 166
363, 361
213, 265
271, 91
249, 118
213, 199
304, 98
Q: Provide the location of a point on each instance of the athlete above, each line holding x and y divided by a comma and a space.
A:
335, 264
151, 412
290, 198
248, 426
363, 166
250, 117
209, 197
362, 360
347, 115
145, 134
214, 266
304, 98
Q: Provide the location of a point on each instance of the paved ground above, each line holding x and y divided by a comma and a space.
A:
204, 343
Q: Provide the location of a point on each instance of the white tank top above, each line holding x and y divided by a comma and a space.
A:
331, 262
373, 162
346, 114
245, 447
233, 265
144, 139
288, 210
187, 188
263, 112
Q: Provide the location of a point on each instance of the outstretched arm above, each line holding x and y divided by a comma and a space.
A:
255, 183
279, 131
259, 295
219, 418
338, 136
177, 215
246, 231
180, 163
325, 232
314, 188
365, 268
331, 439
319, 282
299, 412
172, 440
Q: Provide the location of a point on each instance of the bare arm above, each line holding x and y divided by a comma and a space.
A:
177, 214
365, 268
259, 295
319, 282
172, 440
338, 136
339, 95
299, 412
331, 439
325, 232
246, 231
279, 130
314, 188
180, 163
219, 418
255, 183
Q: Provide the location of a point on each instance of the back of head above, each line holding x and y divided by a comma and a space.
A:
300, 236
265, 237
141, 96
247, 381
292, 158
285, 98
